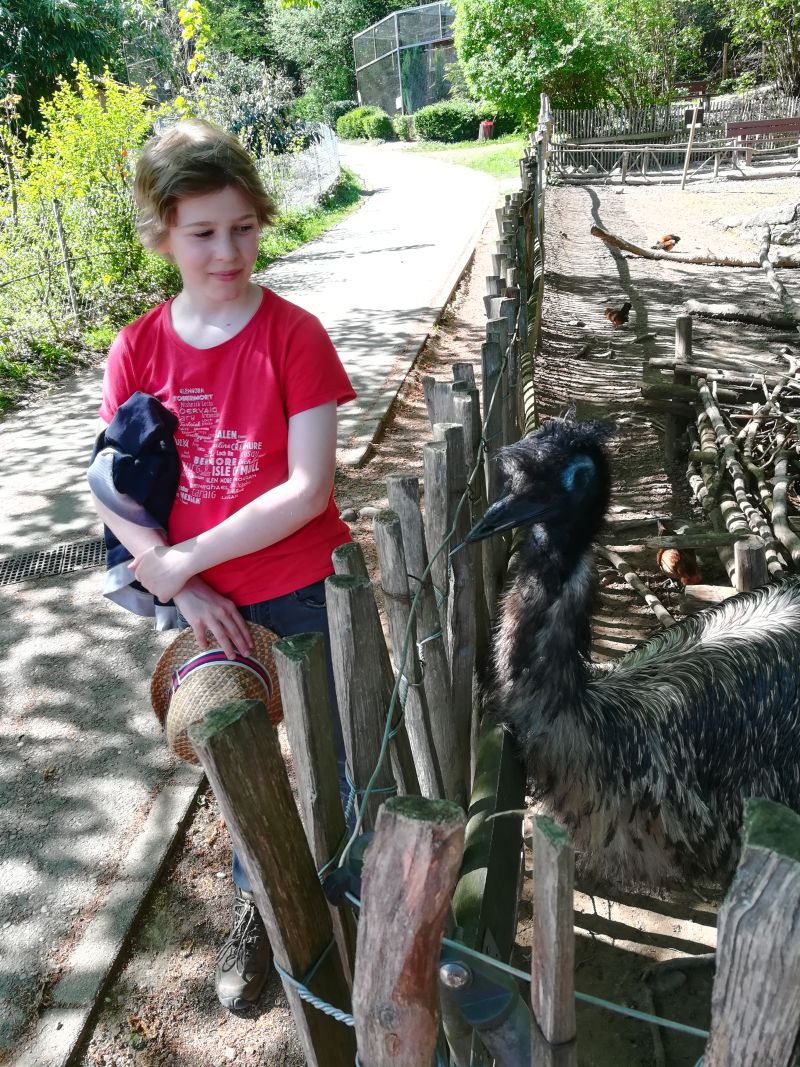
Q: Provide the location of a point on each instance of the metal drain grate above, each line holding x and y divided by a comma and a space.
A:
80, 556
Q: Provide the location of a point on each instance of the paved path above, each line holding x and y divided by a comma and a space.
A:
89, 800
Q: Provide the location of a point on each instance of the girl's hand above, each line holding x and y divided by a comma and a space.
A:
162, 570
210, 613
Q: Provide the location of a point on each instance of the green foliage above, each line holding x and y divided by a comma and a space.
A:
75, 172
99, 338
511, 50
651, 46
364, 122
403, 127
334, 109
309, 106
582, 52
448, 121
240, 27
775, 25
503, 121
378, 126
39, 39
498, 158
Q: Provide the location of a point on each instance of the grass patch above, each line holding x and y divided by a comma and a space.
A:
499, 158
296, 228
477, 146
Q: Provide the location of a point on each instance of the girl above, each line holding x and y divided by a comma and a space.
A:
254, 382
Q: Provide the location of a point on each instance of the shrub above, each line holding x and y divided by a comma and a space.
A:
309, 106
364, 122
403, 127
379, 126
449, 120
334, 109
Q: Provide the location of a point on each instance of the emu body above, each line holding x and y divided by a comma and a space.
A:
646, 764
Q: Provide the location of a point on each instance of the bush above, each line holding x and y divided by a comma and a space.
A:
334, 109
365, 122
309, 106
379, 126
449, 121
403, 127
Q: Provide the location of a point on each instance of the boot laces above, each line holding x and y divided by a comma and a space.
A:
247, 930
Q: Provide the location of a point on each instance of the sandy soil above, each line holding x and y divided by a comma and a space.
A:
162, 1008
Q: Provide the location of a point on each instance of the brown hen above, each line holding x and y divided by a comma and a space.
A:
679, 563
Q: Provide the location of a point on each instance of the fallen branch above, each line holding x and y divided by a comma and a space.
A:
635, 582
770, 405
709, 259
789, 304
773, 320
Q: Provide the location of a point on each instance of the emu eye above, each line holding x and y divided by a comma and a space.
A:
578, 474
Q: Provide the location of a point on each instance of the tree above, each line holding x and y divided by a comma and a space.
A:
655, 42
511, 50
773, 25
241, 27
39, 39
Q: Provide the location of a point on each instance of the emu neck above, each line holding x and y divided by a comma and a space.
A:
545, 633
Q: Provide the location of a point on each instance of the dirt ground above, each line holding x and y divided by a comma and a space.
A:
162, 1010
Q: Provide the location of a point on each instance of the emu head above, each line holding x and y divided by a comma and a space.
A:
557, 478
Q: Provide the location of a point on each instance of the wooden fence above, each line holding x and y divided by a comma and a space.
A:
423, 976
667, 121
647, 142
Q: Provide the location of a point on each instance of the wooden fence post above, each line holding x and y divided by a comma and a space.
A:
403, 493
303, 680
349, 559
364, 683
674, 426
397, 607
553, 962
445, 482
755, 1013
239, 751
409, 873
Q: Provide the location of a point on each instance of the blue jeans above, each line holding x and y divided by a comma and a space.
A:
300, 612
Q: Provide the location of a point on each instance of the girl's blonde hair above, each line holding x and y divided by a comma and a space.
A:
190, 159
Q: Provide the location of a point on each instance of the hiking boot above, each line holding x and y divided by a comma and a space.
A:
244, 960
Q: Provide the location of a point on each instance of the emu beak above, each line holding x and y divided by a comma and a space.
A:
507, 513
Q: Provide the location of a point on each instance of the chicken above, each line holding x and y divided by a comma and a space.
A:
618, 316
667, 242
679, 563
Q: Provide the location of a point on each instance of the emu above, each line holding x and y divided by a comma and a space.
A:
646, 764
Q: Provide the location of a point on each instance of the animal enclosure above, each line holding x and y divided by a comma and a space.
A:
464, 879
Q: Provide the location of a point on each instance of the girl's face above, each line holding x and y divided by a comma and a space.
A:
213, 241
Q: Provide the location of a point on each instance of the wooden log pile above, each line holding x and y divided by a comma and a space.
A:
741, 447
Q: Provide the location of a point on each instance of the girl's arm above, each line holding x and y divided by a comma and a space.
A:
206, 611
269, 518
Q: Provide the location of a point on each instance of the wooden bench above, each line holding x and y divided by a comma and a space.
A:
749, 135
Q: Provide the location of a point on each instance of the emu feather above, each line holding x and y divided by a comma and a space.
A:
646, 764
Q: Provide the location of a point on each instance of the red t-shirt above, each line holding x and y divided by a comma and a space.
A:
233, 404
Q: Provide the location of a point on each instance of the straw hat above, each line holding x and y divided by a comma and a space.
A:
189, 681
